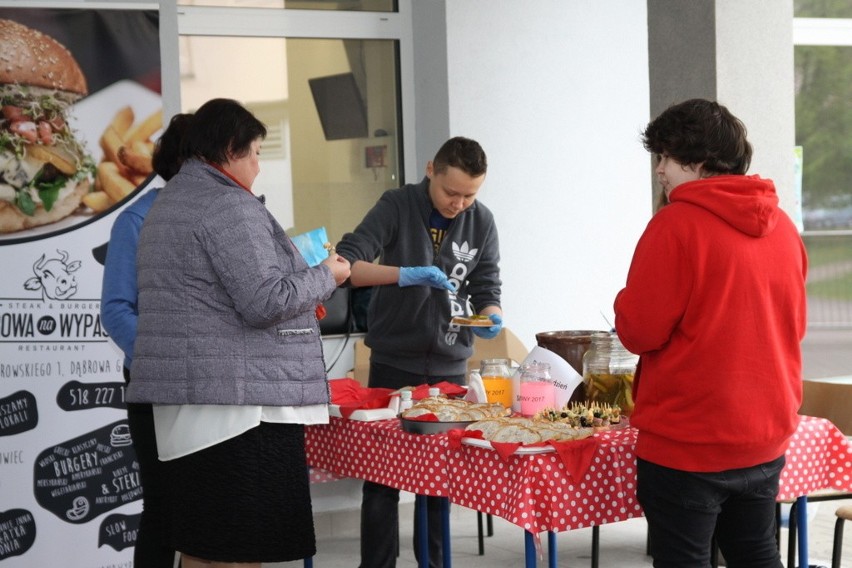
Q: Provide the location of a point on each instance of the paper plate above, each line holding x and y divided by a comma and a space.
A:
480, 443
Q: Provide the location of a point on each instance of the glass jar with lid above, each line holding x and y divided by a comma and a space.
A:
608, 370
497, 380
537, 390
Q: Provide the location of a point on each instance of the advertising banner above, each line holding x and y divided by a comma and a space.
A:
81, 107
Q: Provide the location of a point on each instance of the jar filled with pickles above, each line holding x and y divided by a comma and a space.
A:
608, 370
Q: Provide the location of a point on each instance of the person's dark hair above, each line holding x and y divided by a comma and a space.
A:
700, 131
462, 153
222, 129
168, 155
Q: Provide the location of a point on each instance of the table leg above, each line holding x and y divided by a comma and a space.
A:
445, 532
480, 537
552, 555
423, 532
792, 536
529, 550
596, 545
802, 522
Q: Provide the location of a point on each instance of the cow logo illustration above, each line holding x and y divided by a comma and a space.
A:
464, 253
54, 277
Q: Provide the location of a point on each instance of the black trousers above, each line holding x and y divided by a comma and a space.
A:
152, 542
684, 509
380, 504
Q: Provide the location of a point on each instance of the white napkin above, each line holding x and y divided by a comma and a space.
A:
565, 378
393, 403
475, 388
364, 414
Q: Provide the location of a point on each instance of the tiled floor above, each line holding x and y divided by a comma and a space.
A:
622, 544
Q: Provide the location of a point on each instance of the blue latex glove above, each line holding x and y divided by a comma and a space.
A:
490, 332
424, 276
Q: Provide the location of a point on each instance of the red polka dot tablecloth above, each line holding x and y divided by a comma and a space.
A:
533, 490
819, 457
317, 475
380, 452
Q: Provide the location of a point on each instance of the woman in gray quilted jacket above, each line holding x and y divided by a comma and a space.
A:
228, 351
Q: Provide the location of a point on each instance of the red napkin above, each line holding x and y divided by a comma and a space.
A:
449, 389
576, 455
503, 449
429, 417
351, 396
320, 312
454, 436
506, 449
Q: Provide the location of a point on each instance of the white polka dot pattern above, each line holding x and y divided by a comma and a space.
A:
534, 491
819, 457
317, 475
382, 453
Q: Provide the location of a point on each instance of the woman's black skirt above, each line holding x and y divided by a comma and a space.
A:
246, 499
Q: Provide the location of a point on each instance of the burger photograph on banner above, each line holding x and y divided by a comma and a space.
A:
80, 112
76, 132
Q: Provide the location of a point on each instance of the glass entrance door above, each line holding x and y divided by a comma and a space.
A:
332, 107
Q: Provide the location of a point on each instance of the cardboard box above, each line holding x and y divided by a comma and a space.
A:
361, 365
829, 399
505, 346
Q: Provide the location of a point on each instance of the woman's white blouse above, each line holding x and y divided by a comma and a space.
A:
188, 428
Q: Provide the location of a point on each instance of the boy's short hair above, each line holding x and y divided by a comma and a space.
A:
700, 131
462, 153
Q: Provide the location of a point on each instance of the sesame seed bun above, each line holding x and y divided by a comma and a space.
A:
29, 57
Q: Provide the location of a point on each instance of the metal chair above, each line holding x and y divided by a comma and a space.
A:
844, 514
831, 400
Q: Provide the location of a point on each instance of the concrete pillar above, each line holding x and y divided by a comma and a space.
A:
739, 52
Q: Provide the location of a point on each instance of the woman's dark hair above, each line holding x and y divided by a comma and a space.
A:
168, 156
700, 131
462, 153
222, 129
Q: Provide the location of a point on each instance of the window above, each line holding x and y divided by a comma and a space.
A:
340, 5
824, 131
823, 87
822, 9
332, 108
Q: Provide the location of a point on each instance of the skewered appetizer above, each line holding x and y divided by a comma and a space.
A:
583, 415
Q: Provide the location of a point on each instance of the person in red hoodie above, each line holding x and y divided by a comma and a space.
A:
715, 306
